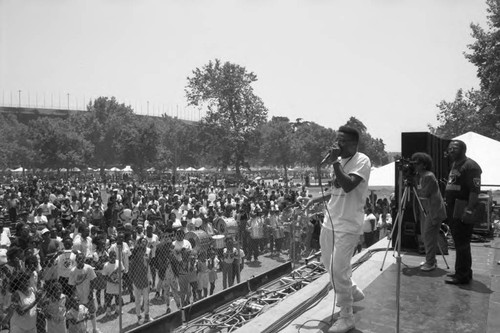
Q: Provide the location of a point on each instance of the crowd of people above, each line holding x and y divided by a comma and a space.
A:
69, 250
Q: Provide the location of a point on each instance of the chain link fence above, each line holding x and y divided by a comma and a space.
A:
111, 279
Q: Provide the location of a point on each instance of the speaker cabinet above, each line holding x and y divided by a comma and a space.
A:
483, 224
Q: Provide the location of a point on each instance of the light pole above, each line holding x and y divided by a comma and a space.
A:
68, 100
19, 91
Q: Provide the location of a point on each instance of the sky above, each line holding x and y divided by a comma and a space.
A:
385, 62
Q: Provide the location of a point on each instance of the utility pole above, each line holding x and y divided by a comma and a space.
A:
19, 91
68, 100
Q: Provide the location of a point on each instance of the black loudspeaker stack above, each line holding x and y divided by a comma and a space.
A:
411, 143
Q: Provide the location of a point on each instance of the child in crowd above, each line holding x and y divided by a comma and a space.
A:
110, 271
55, 308
77, 316
212, 264
202, 269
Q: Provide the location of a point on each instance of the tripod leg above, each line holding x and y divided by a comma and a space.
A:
397, 222
442, 254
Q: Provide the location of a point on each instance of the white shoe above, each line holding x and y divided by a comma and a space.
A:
342, 325
428, 268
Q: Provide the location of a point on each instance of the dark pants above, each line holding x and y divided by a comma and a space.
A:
254, 248
13, 214
462, 234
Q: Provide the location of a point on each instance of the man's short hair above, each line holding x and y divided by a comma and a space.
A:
461, 144
352, 132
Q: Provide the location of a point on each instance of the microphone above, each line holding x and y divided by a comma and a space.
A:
327, 157
329, 154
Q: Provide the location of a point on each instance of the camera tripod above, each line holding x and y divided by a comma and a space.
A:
405, 198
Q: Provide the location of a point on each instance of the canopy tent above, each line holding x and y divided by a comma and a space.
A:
151, 170
20, 169
190, 169
383, 176
63, 170
127, 169
114, 169
484, 151
75, 169
202, 169
179, 169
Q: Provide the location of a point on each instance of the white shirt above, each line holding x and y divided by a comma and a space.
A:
346, 209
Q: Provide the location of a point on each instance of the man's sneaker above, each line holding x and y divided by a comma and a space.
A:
139, 320
428, 268
342, 325
146, 318
357, 294
168, 311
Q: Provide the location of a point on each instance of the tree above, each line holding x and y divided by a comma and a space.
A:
312, 143
57, 143
477, 110
142, 143
277, 147
107, 125
373, 148
233, 111
179, 144
15, 146
468, 112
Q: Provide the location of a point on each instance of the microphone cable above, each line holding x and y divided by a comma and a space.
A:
333, 238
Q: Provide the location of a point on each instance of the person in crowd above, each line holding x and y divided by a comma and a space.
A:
212, 264
77, 316
369, 223
23, 315
434, 211
202, 275
110, 271
138, 270
54, 308
343, 226
99, 258
65, 262
80, 278
461, 194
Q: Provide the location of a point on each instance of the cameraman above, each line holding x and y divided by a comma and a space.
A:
434, 210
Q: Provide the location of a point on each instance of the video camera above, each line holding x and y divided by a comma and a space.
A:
407, 168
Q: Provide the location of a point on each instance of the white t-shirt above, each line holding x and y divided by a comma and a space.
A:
65, 262
81, 279
153, 242
368, 226
111, 270
125, 254
346, 209
179, 245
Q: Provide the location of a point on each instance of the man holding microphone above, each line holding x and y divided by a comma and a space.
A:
343, 223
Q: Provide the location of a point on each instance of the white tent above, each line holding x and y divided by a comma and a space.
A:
114, 169
383, 176
127, 169
75, 169
151, 169
485, 152
202, 169
20, 169
190, 169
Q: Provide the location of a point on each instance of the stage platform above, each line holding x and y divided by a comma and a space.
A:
427, 304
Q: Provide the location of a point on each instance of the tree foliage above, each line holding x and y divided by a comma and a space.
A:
233, 111
374, 148
477, 110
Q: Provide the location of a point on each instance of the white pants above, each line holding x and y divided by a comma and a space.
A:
144, 295
336, 257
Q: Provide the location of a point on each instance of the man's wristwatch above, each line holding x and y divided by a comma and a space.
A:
468, 211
